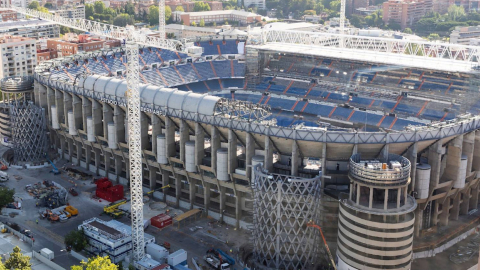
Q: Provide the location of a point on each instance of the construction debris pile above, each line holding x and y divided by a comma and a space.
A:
48, 194
76, 174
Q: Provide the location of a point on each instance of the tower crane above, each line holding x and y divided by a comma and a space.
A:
132, 39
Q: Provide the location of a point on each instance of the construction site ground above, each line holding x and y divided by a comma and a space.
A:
208, 233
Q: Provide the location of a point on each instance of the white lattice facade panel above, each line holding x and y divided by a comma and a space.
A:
283, 205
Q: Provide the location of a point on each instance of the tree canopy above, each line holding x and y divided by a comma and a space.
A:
99, 6
18, 261
33, 5
153, 12
76, 239
6, 196
179, 8
97, 263
123, 20
201, 6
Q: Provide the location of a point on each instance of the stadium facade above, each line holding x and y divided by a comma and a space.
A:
206, 120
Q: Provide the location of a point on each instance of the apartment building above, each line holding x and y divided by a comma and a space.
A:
242, 17
72, 44
352, 5
72, 12
19, 56
33, 28
188, 6
463, 35
405, 12
260, 4
8, 15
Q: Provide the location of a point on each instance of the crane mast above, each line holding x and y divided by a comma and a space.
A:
161, 18
134, 147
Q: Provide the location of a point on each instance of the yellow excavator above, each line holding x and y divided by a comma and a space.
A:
112, 208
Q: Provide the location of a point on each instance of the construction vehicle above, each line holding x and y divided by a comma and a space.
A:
72, 210
216, 262
112, 209
222, 255
54, 170
313, 225
4, 167
49, 215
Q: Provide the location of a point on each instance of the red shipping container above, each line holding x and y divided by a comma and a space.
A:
161, 221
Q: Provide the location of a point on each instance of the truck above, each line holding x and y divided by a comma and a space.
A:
222, 256
216, 262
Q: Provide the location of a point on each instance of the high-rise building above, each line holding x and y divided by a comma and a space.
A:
72, 12
463, 35
19, 56
405, 12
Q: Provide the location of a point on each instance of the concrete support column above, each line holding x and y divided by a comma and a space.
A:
107, 160
88, 156
473, 204
170, 137
295, 158
445, 212
206, 197
385, 202
97, 160
435, 216
178, 191
454, 155
467, 149
249, 153
370, 199
156, 130
86, 111
67, 106
238, 210
119, 120
77, 113
199, 144
191, 191
476, 152
70, 149
144, 130
464, 206
412, 157
118, 167
232, 152
165, 182
60, 107
51, 100
399, 196
184, 137
358, 193
435, 153
107, 118
268, 154
222, 202
97, 113
215, 145
79, 152
417, 227
41, 98
152, 175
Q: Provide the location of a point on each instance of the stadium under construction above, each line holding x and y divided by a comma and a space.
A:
381, 156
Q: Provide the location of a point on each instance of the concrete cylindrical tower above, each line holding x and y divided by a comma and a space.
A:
55, 124
90, 133
71, 124
462, 173
222, 164
378, 207
190, 156
161, 149
422, 180
258, 159
112, 136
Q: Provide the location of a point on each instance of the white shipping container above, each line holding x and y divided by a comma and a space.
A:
47, 253
177, 257
157, 252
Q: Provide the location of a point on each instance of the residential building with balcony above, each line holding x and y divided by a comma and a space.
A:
72, 44
463, 35
33, 28
19, 56
72, 12
405, 12
242, 17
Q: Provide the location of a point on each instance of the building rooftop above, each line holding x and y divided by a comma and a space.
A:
11, 39
220, 12
25, 23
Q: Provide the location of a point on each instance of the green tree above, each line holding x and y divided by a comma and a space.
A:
48, 5
194, 24
394, 26
168, 13
309, 12
89, 10
433, 36
99, 7
214, 24
43, 9
455, 12
202, 23
357, 21
407, 31
6, 196
97, 263
153, 15
18, 261
201, 6
120, 266
130, 8
131, 267
33, 5
123, 20
110, 11
90, 18
179, 8
64, 30
76, 239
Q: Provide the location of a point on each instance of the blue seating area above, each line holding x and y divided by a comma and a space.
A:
342, 112
236, 83
226, 47
223, 68
238, 69
408, 109
188, 73
205, 70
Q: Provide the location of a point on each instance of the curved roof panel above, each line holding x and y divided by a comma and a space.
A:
163, 97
